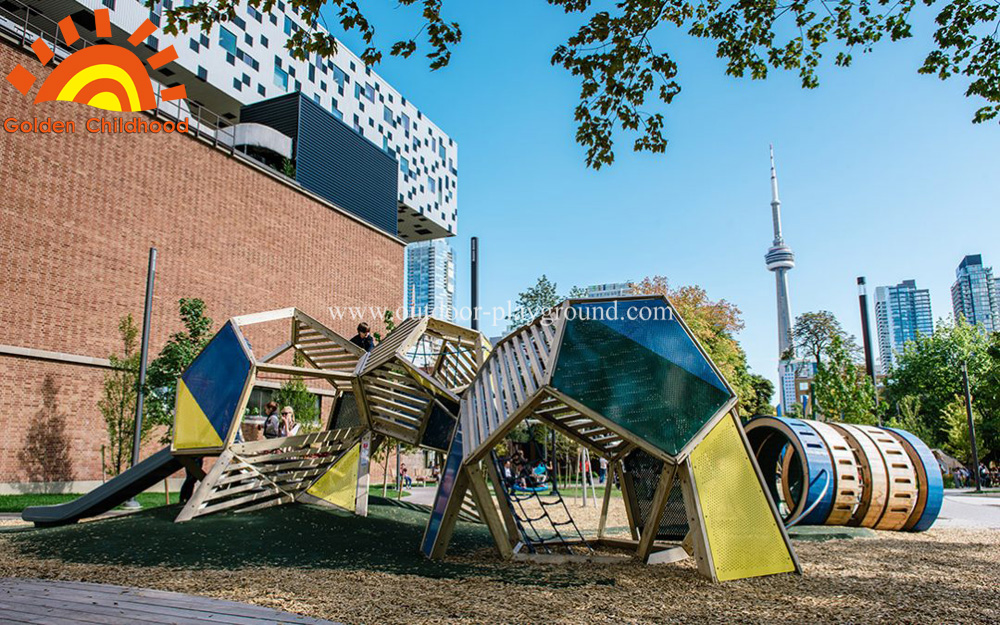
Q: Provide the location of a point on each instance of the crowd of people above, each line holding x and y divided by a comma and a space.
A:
989, 476
518, 471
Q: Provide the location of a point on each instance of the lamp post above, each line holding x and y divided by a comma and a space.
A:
866, 338
972, 425
474, 259
143, 353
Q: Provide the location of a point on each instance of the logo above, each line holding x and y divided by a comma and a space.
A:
104, 76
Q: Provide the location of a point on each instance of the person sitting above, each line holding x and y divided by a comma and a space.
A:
288, 425
508, 474
363, 338
272, 422
539, 475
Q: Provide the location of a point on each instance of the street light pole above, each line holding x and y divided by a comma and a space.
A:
143, 354
972, 425
866, 338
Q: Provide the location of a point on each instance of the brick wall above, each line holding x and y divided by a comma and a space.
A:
78, 215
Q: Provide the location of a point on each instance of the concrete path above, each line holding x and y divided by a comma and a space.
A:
59, 602
421, 494
964, 509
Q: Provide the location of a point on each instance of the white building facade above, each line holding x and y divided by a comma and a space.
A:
244, 61
902, 313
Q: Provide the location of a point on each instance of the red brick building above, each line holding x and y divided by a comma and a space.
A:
78, 216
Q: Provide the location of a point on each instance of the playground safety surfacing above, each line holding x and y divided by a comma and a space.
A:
344, 568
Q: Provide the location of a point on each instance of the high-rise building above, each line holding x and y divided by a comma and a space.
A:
974, 293
613, 289
430, 279
781, 260
902, 313
244, 61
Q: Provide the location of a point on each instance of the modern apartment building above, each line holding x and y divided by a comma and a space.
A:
974, 293
902, 313
244, 61
612, 289
430, 279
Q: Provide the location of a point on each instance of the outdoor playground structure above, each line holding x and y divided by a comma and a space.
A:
639, 392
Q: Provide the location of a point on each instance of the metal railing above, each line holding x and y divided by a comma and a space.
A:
22, 25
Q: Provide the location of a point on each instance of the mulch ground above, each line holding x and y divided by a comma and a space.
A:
332, 565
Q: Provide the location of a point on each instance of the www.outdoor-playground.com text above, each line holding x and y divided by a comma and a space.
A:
501, 316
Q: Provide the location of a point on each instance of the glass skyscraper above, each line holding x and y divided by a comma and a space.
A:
430, 279
973, 295
902, 313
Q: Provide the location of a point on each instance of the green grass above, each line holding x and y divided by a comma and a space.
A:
17, 503
294, 536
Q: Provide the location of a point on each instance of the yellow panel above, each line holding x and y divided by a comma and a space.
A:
339, 484
743, 533
192, 429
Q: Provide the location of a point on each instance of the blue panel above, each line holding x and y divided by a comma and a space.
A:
217, 376
935, 481
818, 481
448, 478
649, 327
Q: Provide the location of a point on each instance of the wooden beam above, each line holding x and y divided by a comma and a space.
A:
609, 481
652, 523
499, 489
487, 510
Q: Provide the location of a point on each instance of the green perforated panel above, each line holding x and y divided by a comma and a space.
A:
633, 386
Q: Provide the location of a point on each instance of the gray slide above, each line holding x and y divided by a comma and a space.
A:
112, 493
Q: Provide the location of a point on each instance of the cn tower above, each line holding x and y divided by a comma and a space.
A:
780, 260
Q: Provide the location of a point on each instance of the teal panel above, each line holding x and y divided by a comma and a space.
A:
654, 325
633, 386
217, 376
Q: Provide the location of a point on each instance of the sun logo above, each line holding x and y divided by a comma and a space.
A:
104, 76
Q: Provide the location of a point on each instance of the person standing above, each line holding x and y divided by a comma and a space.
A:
288, 427
363, 338
272, 422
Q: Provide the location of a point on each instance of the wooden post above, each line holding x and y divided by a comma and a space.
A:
361, 494
488, 511
657, 506
697, 535
626, 482
508, 517
608, 486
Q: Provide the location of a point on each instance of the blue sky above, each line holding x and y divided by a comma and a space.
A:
881, 172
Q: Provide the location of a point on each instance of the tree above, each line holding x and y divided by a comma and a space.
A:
533, 301
909, 418
117, 402
295, 394
957, 420
715, 324
622, 73
177, 354
763, 390
841, 389
814, 332
930, 370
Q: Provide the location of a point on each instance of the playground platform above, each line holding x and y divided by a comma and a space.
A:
57, 602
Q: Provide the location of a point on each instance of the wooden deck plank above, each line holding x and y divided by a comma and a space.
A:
58, 602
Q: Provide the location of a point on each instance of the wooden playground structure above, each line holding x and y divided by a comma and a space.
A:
637, 391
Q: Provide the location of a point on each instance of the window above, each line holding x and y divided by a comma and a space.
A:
263, 41
237, 84
368, 92
202, 73
406, 122
389, 117
260, 90
336, 112
109, 3
254, 13
404, 166
339, 76
193, 45
441, 150
431, 184
290, 26
227, 40
281, 78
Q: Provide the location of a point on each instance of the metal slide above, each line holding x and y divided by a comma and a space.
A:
112, 493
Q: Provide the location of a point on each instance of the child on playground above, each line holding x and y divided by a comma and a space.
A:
539, 474
363, 338
272, 423
405, 476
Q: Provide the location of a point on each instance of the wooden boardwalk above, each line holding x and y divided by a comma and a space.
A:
57, 602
